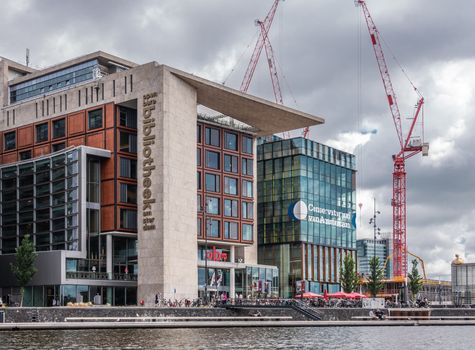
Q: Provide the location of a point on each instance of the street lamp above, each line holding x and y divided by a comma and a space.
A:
376, 229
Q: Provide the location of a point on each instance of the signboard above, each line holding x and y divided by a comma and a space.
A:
311, 213
216, 255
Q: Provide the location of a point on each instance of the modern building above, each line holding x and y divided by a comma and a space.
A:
382, 248
463, 282
306, 206
99, 159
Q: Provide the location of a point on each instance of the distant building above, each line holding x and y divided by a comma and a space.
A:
367, 248
463, 282
306, 204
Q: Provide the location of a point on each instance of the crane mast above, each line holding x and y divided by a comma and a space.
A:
407, 150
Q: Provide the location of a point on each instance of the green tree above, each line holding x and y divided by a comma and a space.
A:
24, 266
414, 280
376, 276
348, 276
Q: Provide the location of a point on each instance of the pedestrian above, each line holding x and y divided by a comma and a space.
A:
156, 299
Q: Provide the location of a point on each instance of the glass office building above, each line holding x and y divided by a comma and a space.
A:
306, 206
381, 248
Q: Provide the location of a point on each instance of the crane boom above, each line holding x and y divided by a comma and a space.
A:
407, 150
266, 24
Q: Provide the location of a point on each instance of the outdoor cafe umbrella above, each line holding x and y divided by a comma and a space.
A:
355, 295
309, 295
339, 295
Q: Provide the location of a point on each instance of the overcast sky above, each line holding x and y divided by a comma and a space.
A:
327, 68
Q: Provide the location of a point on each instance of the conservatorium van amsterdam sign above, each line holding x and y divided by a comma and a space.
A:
148, 167
303, 212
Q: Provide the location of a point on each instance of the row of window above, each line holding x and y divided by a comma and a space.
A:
213, 138
230, 207
230, 228
212, 184
213, 161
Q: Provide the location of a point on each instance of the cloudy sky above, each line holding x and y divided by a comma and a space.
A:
327, 68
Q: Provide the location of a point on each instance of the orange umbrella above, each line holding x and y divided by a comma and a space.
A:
309, 295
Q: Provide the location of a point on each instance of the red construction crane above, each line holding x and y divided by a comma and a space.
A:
409, 146
262, 41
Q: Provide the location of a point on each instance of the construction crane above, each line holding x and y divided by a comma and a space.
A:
413, 255
409, 146
263, 41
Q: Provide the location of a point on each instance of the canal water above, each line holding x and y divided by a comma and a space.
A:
247, 338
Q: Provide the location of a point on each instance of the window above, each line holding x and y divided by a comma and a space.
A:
212, 182
230, 185
246, 188
198, 178
25, 155
212, 205
212, 137
213, 228
128, 118
95, 119
42, 132
212, 159
59, 128
198, 156
230, 141
247, 166
128, 168
128, 219
231, 208
58, 147
128, 142
198, 134
198, 231
128, 193
247, 144
246, 232
230, 163
10, 140
247, 210
231, 230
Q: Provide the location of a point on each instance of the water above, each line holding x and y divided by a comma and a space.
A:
246, 338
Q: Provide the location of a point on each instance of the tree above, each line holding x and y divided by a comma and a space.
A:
414, 280
348, 276
24, 266
375, 278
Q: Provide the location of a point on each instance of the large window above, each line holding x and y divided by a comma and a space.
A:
59, 128
42, 132
95, 119
247, 166
212, 160
246, 188
128, 193
230, 163
231, 208
246, 232
198, 133
198, 156
213, 228
128, 118
212, 137
230, 141
128, 168
128, 219
198, 179
128, 142
231, 230
212, 205
10, 140
212, 182
247, 144
230, 185
93, 180
247, 210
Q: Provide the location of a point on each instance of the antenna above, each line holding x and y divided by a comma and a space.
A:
27, 57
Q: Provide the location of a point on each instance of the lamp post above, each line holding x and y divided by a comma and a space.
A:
376, 229
207, 228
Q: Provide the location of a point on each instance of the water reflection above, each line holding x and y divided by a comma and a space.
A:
245, 338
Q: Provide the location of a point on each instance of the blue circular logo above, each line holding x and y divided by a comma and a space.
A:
298, 210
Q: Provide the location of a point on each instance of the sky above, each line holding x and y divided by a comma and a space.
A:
326, 67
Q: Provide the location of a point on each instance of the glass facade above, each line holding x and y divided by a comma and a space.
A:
52, 82
306, 204
40, 198
463, 283
365, 249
